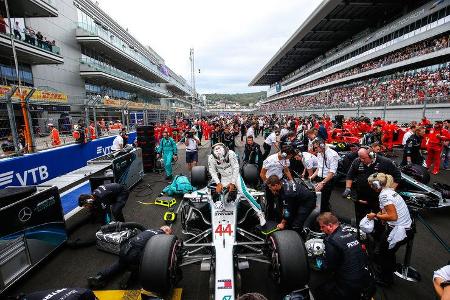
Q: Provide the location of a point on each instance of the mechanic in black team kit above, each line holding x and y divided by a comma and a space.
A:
110, 197
129, 256
345, 258
296, 200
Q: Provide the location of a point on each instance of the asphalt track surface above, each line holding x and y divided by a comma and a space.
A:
71, 267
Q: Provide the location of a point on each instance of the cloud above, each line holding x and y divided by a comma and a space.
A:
232, 39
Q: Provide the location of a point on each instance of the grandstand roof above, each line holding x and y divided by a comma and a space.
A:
333, 22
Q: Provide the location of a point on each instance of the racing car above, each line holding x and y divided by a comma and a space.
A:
221, 236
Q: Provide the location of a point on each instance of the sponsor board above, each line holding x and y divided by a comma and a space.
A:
36, 168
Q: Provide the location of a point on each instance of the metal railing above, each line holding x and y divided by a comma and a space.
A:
33, 41
100, 66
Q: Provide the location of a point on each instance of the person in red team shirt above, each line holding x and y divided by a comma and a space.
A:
388, 135
158, 132
436, 139
424, 122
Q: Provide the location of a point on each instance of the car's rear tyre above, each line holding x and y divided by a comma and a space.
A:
159, 263
289, 267
199, 176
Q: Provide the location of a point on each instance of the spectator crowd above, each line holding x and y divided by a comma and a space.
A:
402, 88
418, 49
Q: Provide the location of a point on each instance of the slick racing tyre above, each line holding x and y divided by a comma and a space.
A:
250, 175
289, 267
158, 272
199, 177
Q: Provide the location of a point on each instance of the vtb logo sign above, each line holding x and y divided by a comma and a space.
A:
26, 177
103, 151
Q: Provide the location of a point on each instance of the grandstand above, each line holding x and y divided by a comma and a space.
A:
363, 54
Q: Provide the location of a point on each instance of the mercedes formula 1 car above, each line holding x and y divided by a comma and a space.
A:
221, 237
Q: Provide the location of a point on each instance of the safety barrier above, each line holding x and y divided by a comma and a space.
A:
32, 169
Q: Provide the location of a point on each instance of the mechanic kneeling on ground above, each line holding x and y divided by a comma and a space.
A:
129, 256
107, 198
297, 202
344, 257
276, 164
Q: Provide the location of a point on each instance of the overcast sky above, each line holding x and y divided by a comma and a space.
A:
233, 39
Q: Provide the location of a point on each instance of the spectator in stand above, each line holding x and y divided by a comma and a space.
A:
17, 30
39, 38
3, 25
54, 136
8, 146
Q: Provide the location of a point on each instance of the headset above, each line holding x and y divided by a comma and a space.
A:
377, 184
318, 142
286, 150
226, 155
371, 153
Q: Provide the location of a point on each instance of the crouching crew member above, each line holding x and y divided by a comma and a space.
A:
395, 214
252, 153
367, 163
276, 164
344, 257
129, 256
297, 202
108, 200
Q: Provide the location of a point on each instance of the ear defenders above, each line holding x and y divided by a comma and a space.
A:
377, 184
286, 150
318, 142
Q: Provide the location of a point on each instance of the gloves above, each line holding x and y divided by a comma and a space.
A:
286, 214
347, 192
262, 219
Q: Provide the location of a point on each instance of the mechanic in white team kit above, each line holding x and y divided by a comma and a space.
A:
224, 162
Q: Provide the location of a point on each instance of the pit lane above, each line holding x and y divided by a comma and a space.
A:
70, 267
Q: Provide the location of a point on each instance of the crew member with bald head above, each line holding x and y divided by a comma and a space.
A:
367, 163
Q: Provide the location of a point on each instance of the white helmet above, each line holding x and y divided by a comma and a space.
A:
220, 152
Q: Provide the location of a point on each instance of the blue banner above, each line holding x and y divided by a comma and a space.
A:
36, 168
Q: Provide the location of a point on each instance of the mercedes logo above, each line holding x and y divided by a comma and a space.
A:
25, 214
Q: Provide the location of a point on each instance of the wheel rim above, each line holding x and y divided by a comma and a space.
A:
275, 262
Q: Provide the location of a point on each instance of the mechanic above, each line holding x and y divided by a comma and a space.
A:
296, 200
107, 198
310, 164
227, 138
328, 160
436, 139
252, 152
215, 135
295, 163
271, 140
277, 164
345, 257
411, 152
129, 256
223, 161
312, 135
367, 163
395, 214
372, 137
441, 282
168, 148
